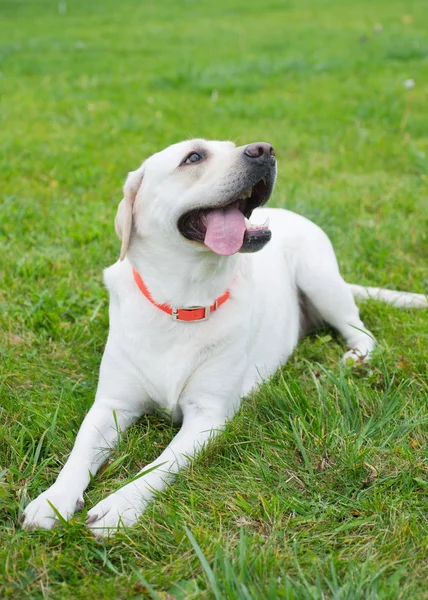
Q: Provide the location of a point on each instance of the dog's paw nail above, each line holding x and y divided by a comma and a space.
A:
21, 518
80, 504
91, 519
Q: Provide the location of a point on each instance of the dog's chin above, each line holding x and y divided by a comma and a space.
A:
255, 240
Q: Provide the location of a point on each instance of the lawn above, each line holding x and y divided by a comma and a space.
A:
318, 488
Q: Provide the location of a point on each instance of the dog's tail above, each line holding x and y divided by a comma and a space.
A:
399, 299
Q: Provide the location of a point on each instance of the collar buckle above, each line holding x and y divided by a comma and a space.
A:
207, 311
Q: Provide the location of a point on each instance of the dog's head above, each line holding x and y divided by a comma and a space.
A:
201, 194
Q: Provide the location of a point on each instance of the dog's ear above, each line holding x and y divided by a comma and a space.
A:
123, 220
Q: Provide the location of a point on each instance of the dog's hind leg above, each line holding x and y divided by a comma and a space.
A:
319, 279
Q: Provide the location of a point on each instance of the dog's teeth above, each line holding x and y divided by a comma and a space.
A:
246, 194
264, 180
250, 226
264, 225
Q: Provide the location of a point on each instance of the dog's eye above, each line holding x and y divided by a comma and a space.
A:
192, 158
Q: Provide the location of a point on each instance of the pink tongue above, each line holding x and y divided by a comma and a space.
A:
225, 230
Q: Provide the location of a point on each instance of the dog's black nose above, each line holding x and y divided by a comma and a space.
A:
260, 150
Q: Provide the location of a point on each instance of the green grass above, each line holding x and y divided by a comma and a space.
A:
318, 489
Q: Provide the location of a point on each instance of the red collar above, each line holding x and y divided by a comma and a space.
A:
196, 313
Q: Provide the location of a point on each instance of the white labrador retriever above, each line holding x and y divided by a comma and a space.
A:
204, 305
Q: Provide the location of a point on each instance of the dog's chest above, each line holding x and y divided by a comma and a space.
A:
164, 354
165, 366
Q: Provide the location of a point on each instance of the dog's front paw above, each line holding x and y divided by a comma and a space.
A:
43, 511
121, 509
356, 356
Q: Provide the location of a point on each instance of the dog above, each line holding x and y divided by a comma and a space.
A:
204, 306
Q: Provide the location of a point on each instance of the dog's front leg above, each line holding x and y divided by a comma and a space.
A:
118, 404
122, 508
204, 415
97, 435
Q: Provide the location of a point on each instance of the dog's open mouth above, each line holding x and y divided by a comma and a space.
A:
227, 229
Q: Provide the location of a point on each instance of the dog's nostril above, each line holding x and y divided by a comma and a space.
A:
259, 150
